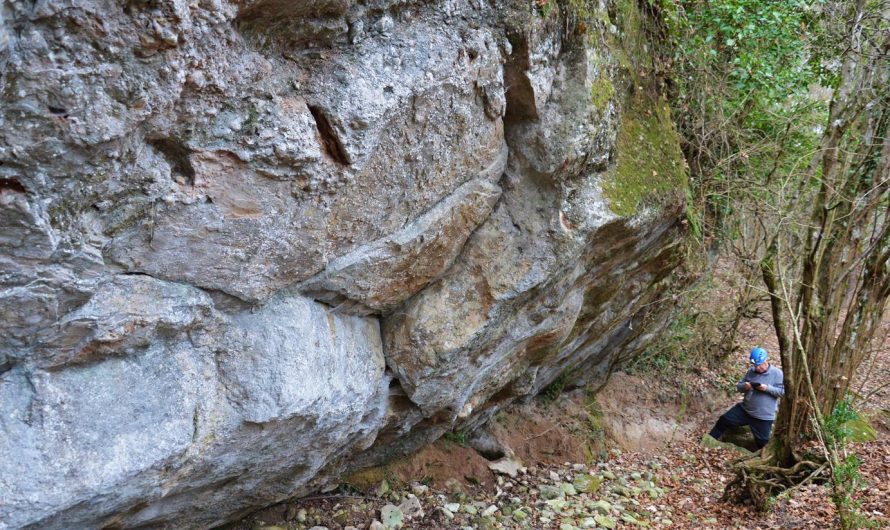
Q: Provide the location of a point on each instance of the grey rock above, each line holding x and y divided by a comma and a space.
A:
506, 466
387, 272
568, 489
248, 247
125, 313
392, 517
549, 492
192, 402
602, 506
411, 507
264, 362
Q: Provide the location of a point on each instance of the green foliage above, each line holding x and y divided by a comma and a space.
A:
837, 424
744, 72
458, 437
554, 389
693, 217
756, 43
545, 7
845, 477
671, 351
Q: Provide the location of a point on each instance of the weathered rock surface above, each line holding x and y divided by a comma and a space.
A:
249, 245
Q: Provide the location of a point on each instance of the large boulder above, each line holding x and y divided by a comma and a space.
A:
247, 246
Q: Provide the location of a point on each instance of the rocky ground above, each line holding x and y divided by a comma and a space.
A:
630, 458
677, 488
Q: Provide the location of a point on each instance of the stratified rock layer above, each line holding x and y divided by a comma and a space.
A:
247, 246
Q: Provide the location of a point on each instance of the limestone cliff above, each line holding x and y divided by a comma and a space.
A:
247, 246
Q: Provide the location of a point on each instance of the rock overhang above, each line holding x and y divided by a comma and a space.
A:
239, 265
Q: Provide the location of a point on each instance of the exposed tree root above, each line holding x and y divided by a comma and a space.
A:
759, 478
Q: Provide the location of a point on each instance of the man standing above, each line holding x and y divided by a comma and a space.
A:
763, 385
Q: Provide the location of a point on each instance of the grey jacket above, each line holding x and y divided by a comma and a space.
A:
762, 404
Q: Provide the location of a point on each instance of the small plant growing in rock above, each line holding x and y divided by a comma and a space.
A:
458, 437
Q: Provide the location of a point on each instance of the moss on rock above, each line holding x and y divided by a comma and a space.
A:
601, 92
365, 479
650, 163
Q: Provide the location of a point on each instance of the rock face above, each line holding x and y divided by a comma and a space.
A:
249, 245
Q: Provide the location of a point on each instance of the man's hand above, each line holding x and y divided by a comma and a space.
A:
747, 386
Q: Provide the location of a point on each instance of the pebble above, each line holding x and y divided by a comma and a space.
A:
605, 521
604, 507
565, 498
585, 483
392, 517
453, 486
630, 519
550, 492
411, 507
506, 466
568, 489
383, 488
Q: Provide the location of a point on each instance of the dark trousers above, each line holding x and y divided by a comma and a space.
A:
736, 417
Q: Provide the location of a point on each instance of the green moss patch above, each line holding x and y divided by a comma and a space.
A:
650, 163
365, 479
601, 93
